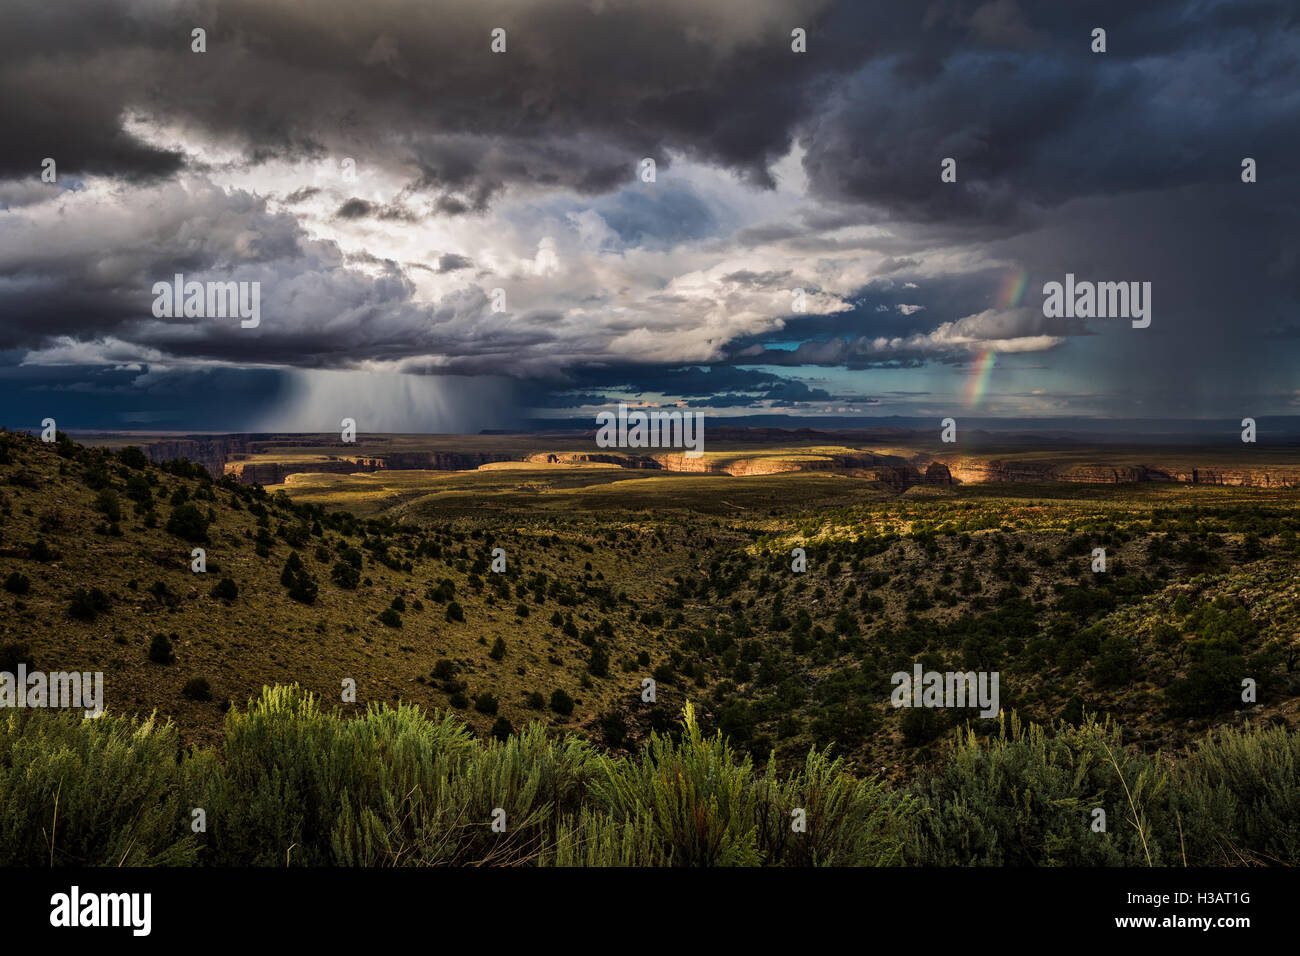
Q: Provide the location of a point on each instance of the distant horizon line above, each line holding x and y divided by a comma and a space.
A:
1144, 427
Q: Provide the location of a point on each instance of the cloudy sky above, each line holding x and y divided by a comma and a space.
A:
379, 170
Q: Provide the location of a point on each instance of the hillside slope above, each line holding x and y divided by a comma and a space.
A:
96, 554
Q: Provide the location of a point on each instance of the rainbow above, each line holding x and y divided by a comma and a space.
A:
978, 383
1012, 288
1010, 291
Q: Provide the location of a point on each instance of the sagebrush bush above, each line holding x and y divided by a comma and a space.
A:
295, 785
101, 792
1026, 797
695, 797
1237, 798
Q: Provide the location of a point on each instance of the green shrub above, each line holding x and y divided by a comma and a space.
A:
693, 803
389, 787
13, 653
225, 589
1026, 796
133, 457
598, 661
139, 490
345, 575
295, 785
105, 792
847, 821
197, 688
160, 649
614, 729
86, 605
302, 586
920, 725
304, 589
1212, 682
108, 504
188, 523
1237, 799
1115, 664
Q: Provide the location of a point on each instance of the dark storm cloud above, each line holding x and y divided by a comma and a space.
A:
97, 397
62, 287
582, 93
717, 386
1033, 117
760, 280
690, 382
584, 90
780, 393
355, 209
1224, 263
542, 399
314, 314
68, 287
65, 73
361, 209
450, 262
1123, 165
298, 195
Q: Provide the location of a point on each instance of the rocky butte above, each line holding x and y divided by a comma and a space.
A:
253, 458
